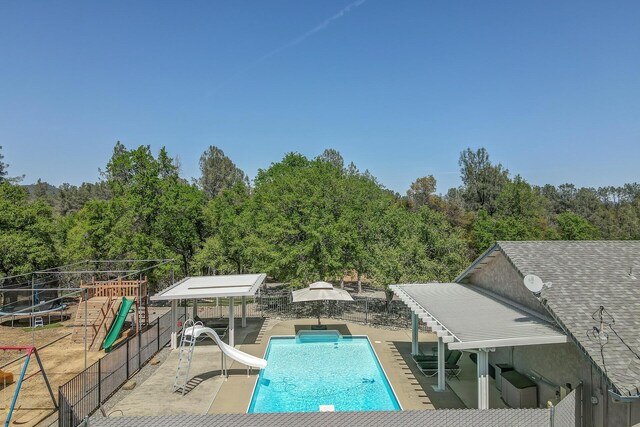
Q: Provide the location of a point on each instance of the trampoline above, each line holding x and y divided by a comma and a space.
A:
22, 312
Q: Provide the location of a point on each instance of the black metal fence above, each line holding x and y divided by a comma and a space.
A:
363, 309
83, 394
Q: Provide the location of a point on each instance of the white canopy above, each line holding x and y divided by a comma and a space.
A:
321, 291
235, 285
470, 318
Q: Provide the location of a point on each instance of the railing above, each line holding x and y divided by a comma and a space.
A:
116, 288
83, 394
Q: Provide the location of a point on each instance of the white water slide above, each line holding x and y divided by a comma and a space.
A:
235, 354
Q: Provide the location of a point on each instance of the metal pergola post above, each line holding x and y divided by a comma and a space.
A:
174, 324
414, 334
441, 365
244, 312
483, 378
231, 322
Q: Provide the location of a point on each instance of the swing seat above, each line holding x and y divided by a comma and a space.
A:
6, 378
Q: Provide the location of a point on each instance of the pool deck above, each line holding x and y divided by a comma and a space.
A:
210, 393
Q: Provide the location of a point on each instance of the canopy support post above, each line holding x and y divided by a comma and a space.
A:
232, 322
174, 324
414, 334
441, 365
483, 378
244, 312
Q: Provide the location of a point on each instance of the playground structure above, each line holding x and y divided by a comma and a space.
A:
7, 378
104, 307
65, 295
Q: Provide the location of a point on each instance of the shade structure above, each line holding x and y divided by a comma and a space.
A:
320, 291
231, 286
234, 285
470, 318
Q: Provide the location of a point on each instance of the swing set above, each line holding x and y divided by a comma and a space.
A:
8, 379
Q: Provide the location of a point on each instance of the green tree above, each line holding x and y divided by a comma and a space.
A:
416, 248
71, 199
364, 201
180, 221
26, 232
421, 191
519, 215
218, 172
574, 227
482, 180
3, 167
333, 157
296, 211
152, 213
229, 222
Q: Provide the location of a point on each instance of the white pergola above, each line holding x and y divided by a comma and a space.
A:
465, 317
231, 286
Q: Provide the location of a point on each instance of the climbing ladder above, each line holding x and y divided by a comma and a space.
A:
185, 354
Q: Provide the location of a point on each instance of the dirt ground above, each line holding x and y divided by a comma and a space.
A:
61, 357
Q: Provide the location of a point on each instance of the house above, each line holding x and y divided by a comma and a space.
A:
577, 340
592, 292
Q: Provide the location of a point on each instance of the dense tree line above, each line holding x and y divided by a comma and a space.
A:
300, 220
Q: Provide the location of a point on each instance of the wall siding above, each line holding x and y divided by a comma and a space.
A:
500, 277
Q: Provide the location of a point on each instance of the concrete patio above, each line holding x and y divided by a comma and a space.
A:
209, 392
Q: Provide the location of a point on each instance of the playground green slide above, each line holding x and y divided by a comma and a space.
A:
114, 332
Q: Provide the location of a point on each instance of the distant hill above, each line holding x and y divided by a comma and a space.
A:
40, 189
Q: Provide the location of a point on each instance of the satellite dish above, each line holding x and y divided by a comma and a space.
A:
533, 283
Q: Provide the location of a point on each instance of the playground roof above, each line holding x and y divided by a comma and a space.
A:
237, 285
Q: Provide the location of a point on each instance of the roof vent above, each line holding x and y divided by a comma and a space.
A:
630, 274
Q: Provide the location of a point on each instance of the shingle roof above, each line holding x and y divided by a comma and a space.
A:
438, 418
586, 275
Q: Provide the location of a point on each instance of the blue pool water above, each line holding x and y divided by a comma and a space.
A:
306, 372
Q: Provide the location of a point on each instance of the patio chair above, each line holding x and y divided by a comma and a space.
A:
220, 327
429, 357
451, 367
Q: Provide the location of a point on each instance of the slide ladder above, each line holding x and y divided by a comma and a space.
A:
95, 310
185, 355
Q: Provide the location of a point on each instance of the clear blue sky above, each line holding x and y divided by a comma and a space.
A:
550, 88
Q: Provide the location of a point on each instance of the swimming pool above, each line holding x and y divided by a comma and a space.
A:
322, 371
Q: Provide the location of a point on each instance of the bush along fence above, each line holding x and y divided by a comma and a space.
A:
83, 394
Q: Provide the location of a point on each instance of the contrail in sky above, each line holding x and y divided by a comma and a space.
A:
321, 26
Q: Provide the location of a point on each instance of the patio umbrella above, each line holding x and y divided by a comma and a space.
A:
321, 291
